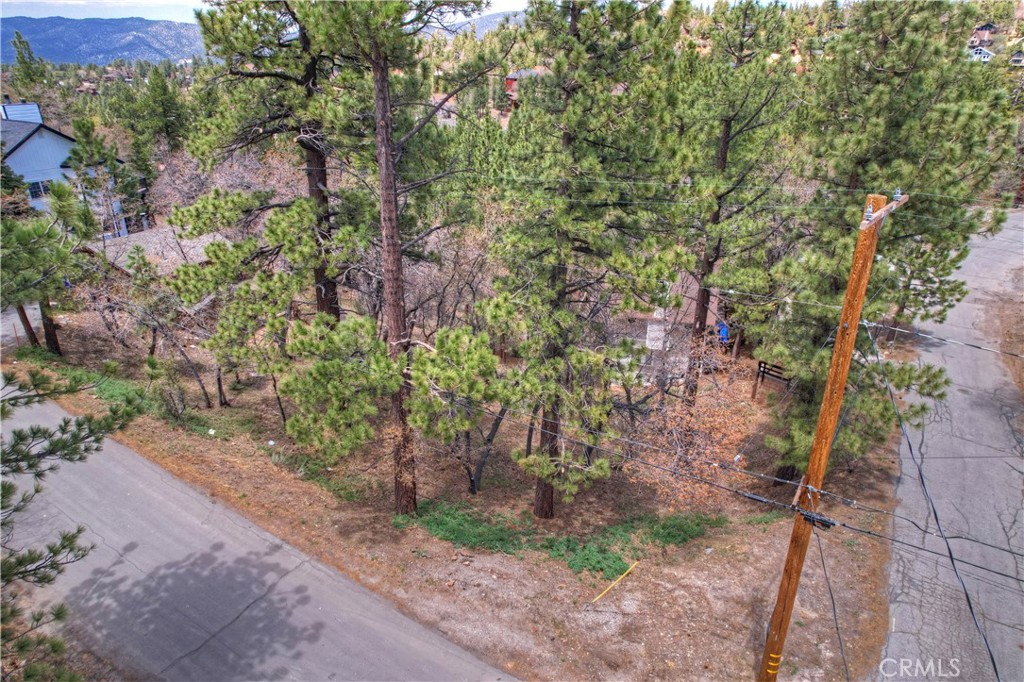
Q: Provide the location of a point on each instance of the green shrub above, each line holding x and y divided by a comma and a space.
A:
606, 553
679, 529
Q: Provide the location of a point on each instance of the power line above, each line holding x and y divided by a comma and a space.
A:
934, 510
873, 325
832, 598
761, 499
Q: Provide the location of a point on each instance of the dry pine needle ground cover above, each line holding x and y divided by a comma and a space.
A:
696, 611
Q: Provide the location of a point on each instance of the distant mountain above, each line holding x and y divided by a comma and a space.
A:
101, 41
489, 22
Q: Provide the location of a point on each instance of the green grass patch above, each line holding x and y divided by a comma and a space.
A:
605, 553
109, 388
464, 527
765, 519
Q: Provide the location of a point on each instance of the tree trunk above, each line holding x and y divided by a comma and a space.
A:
488, 448
277, 396
551, 421
544, 493
222, 397
709, 258
152, 342
698, 333
191, 367
394, 285
30, 333
529, 431
49, 328
316, 179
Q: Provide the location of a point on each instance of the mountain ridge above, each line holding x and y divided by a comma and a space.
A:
101, 41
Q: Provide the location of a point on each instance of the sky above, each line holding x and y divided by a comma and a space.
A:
173, 10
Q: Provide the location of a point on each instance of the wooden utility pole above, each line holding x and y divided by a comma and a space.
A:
835, 386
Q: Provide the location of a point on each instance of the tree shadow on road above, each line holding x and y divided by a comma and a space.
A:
200, 616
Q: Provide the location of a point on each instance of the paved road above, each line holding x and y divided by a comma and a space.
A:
180, 588
972, 450
12, 334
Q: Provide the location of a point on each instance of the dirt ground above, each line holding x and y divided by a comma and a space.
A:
687, 613
1009, 318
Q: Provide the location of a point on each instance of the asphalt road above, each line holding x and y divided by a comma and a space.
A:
180, 588
972, 450
12, 334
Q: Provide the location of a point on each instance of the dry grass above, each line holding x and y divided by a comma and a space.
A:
692, 612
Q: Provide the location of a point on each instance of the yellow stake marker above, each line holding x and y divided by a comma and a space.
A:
617, 581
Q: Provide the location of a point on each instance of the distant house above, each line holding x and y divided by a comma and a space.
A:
980, 54
1017, 58
162, 246
982, 35
448, 111
512, 83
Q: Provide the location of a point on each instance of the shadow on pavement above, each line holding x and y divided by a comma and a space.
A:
201, 617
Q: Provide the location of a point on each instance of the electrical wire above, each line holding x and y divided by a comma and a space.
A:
934, 510
832, 598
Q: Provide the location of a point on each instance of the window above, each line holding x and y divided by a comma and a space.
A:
38, 189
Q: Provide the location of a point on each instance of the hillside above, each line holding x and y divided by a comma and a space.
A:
489, 22
101, 41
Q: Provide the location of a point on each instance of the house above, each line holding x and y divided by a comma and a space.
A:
512, 83
39, 154
1017, 58
449, 110
163, 246
36, 152
980, 54
982, 35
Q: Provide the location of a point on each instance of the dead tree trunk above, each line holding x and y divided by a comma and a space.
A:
280, 405
488, 449
191, 367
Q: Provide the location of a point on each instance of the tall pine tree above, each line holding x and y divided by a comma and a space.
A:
586, 243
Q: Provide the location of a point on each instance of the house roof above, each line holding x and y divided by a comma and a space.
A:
523, 73
14, 133
162, 245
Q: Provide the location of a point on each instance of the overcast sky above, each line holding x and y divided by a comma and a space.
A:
174, 10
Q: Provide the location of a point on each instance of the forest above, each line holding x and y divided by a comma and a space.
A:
553, 244
404, 240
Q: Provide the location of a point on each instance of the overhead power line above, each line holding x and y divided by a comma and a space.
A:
934, 510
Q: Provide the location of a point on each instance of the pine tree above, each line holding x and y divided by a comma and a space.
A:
728, 122
28, 649
587, 244
893, 103
29, 74
100, 178
272, 83
165, 112
40, 256
381, 46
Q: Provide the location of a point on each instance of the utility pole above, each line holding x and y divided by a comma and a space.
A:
808, 495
